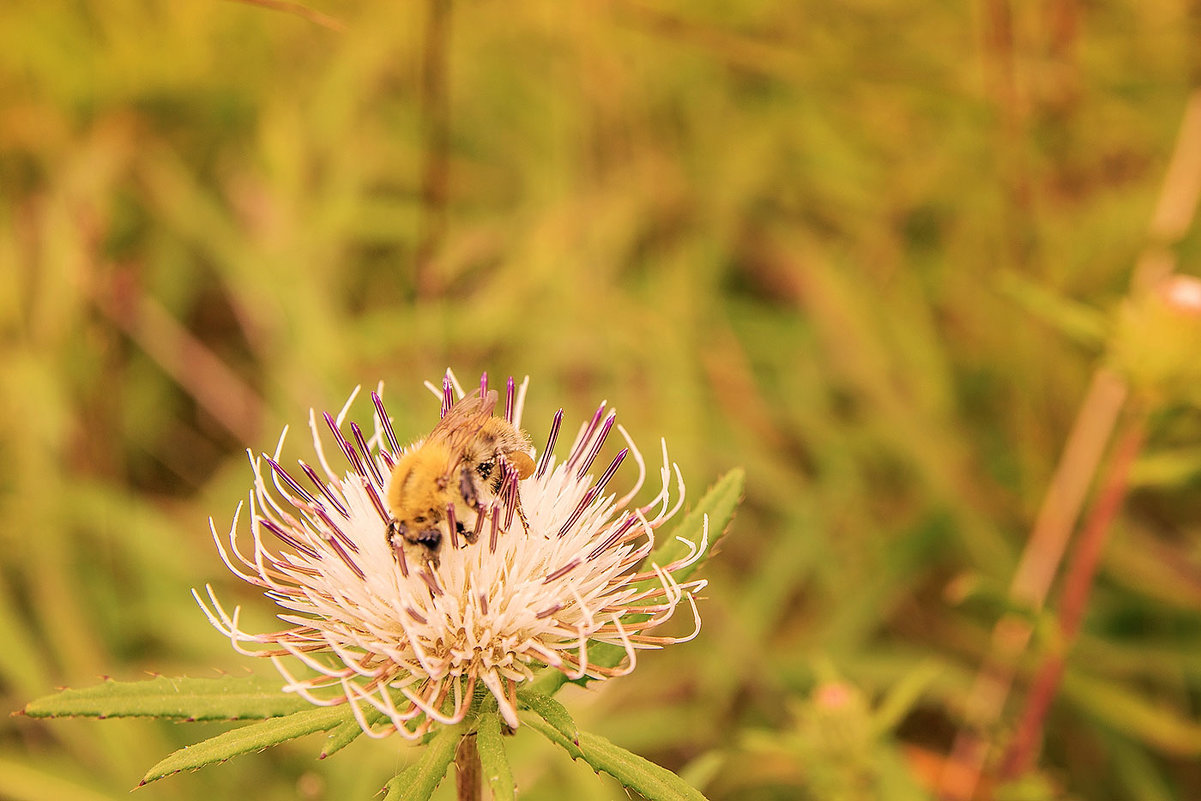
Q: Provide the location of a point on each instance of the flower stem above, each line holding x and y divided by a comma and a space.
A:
1174, 214
467, 770
435, 109
1082, 455
1078, 581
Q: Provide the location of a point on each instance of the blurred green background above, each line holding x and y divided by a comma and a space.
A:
839, 244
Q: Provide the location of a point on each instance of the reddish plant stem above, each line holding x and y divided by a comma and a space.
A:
1173, 216
468, 772
216, 388
1077, 586
435, 112
1032, 581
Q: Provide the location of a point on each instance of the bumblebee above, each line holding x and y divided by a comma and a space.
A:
447, 479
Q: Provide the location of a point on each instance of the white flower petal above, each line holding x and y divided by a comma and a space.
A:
492, 612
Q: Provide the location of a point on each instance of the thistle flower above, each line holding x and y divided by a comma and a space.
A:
407, 644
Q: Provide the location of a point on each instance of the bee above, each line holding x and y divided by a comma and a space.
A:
448, 478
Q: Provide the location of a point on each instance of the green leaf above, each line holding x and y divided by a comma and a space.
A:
418, 781
493, 761
1145, 563
1159, 727
343, 735
643, 776
1135, 771
551, 711
1166, 467
26, 777
254, 737
903, 695
348, 731
1083, 324
548, 681
718, 506
226, 698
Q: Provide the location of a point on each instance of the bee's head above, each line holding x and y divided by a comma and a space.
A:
430, 537
420, 529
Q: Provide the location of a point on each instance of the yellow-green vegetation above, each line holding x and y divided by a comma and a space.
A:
871, 252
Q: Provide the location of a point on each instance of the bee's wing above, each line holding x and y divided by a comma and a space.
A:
462, 422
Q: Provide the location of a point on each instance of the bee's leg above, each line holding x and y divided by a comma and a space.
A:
423, 557
474, 534
467, 488
461, 531
525, 523
422, 545
471, 498
395, 534
471, 534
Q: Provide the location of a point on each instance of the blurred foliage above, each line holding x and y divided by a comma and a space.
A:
866, 250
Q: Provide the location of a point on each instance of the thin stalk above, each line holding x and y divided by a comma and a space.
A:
200, 372
435, 112
1032, 581
468, 773
1078, 582
1174, 212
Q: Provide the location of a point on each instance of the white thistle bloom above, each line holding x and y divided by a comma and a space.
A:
407, 644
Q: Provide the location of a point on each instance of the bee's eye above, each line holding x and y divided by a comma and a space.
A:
419, 519
484, 469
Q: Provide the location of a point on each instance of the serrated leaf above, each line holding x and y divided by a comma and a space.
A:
549, 710
652, 781
254, 737
418, 781
548, 682
348, 731
226, 698
715, 510
718, 505
343, 735
493, 761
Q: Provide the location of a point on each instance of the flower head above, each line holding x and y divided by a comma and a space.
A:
407, 641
